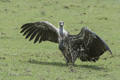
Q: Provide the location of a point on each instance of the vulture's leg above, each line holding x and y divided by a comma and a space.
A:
67, 60
74, 56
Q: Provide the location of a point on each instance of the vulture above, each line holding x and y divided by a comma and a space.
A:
87, 46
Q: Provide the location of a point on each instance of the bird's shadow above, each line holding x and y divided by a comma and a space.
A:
48, 63
60, 64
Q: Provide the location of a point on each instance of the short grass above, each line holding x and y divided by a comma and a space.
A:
23, 60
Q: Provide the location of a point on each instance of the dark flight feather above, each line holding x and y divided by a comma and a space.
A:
41, 31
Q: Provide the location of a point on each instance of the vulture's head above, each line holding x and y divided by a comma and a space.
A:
61, 23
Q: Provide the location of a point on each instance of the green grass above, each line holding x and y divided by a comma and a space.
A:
24, 60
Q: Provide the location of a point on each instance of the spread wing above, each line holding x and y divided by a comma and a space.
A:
91, 45
40, 31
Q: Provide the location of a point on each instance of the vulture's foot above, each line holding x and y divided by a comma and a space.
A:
67, 62
72, 64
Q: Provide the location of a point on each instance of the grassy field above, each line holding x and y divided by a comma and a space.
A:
24, 60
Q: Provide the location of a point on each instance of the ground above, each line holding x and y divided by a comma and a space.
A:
23, 60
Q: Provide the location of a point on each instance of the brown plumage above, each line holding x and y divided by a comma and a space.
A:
86, 45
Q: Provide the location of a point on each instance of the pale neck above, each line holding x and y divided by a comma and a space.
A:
61, 31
